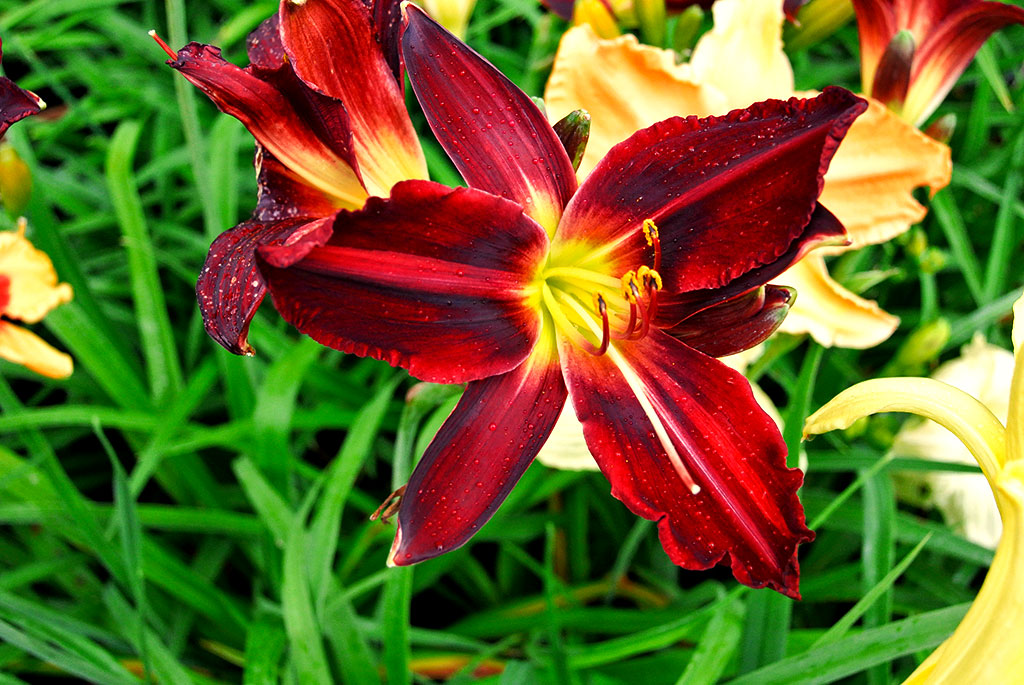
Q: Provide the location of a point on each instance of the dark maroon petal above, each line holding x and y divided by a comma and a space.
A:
264, 46
737, 324
823, 229
728, 194
230, 287
283, 194
562, 8
333, 47
659, 416
792, 7
16, 103
476, 458
387, 22
305, 131
435, 280
496, 136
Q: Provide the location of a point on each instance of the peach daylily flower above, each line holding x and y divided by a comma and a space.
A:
28, 291
626, 86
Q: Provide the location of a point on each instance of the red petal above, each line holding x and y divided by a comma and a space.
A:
823, 229
492, 131
283, 194
333, 48
478, 455
945, 52
737, 324
434, 280
876, 25
230, 287
746, 511
562, 8
306, 131
16, 103
728, 194
387, 22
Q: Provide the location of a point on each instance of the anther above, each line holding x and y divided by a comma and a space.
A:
653, 237
161, 43
389, 507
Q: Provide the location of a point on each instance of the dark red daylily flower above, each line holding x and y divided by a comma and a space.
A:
326, 138
532, 290
913, 51
16, 103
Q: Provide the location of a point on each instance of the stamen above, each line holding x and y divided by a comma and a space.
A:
605, 326
161, 43
654, 239
389, 507
562, 322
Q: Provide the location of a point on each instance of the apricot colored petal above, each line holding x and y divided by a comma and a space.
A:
947, 50
306, 131
487, 443
493, 132
742, 54
318, 37
28, 349
432, 279
830, 313
625, 86
32, 287
880, 162
230, 287
737, 324
653, 408
728, 194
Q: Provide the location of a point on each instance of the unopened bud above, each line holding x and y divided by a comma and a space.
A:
687, 28
15, 180
816, 21
920, 348
892, 76
932, 260
574, 132
650, 14
942, 128
598, 15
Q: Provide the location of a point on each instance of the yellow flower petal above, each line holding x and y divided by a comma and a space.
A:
742, 54
33, 283
451, 14
28, 349
829, 312
1015, 417
624, 86
984, 648
967, 418
878, 165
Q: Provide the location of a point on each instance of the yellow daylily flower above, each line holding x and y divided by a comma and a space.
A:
626, 86
28, 290
983, 648
983, 371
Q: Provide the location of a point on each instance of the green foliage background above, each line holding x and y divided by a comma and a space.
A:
177, 514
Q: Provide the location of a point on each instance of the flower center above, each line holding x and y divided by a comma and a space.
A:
591, 306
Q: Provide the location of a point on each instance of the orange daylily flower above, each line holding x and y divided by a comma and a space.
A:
626, 86
28, 291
